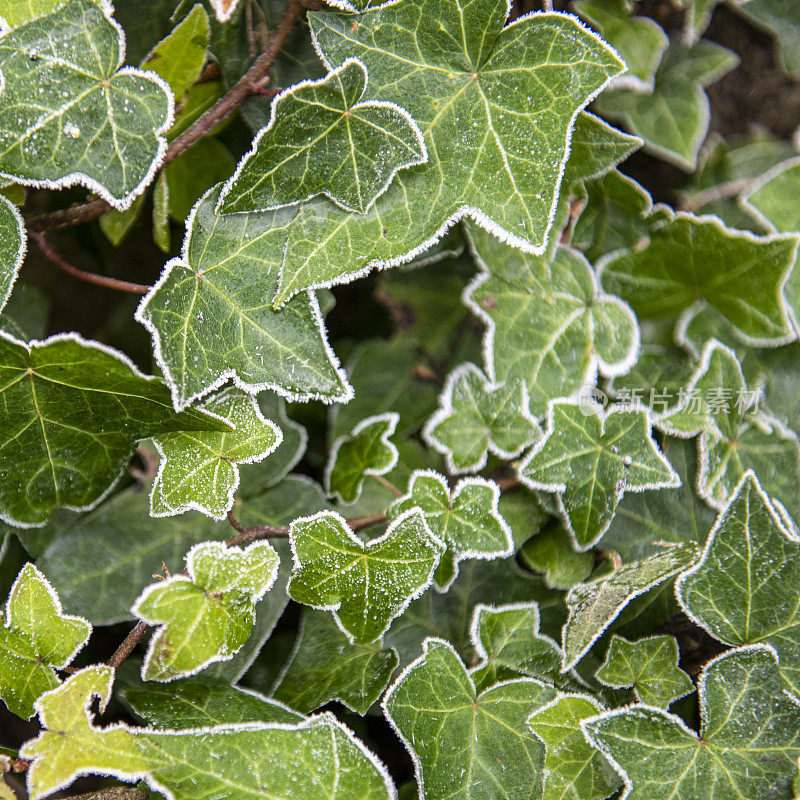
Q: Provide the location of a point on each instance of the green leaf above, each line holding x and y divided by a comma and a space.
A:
466, 519
324, 138
594, 605
308, 759
649, 665
771, 198
596, 148
590, 458
552, 552
13, 243
70, 115
36, 640
16, 12
365, 585
747, 746
436, 711
325, 666
781, 19
673, 120
72, 412
199, 470
548, 325
207, 614
688, 258
521, 103
209, 320
477, 417
696, 17
366, 451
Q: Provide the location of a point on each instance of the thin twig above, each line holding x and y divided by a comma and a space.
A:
390, 486
716, 193
126, 648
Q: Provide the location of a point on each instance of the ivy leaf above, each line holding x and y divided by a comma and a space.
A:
594, 605
648, 665
688, 258
13, 243
596, 148
36, 640
477, 417
70, 115
72, 412
207, 614
365, 585
466, 519
199, 470
323, 138
325, 666
436, 710
781, 19
770, 199
504, 80
367, 450
551, 326
748, 742
307, 759
15, 12
210, 322
696, 17
590, 458
551, 551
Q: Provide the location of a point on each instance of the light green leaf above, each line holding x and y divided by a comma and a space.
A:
477, 417
325, 666
590, 458
548, 325
772, 199
781, 19
688, 258
366, 451
16, 12
596, 148
466, 519
199, 470
594, 605
13, 243
696, 16
207, 614
464, 744
71, 412
162, 236
747, 746
551, 551
323, 138
365, 585
649, 665
210, 321
70, 115
300, 761
36, 640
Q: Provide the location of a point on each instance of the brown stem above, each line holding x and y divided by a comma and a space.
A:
126, 648
390, 486
49, 252
238, 93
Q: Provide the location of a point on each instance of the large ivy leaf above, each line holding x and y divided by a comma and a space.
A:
365, 585
210, 318
547, 325
477, 417
436, 711
300, 761
36, 639
69, 113
747, 746
13, 243
590, 458
781, 19
71, 412
207, 614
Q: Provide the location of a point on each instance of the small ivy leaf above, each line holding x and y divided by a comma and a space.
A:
590, 458
696, 17
13, 243
198, 470
734, 433
70, 115
307, 759
467, 519
737, 591
650, 666
552, 552
436, 711
74, 409
747, 746
547, 325
782, 20
596, 148
224, 9
367, 450
36, 640
771, 198
594, 605
365, 585
574, 769
673, 119
206, 615
14, 13
209, 321
325, 666
477, 417
322, 138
